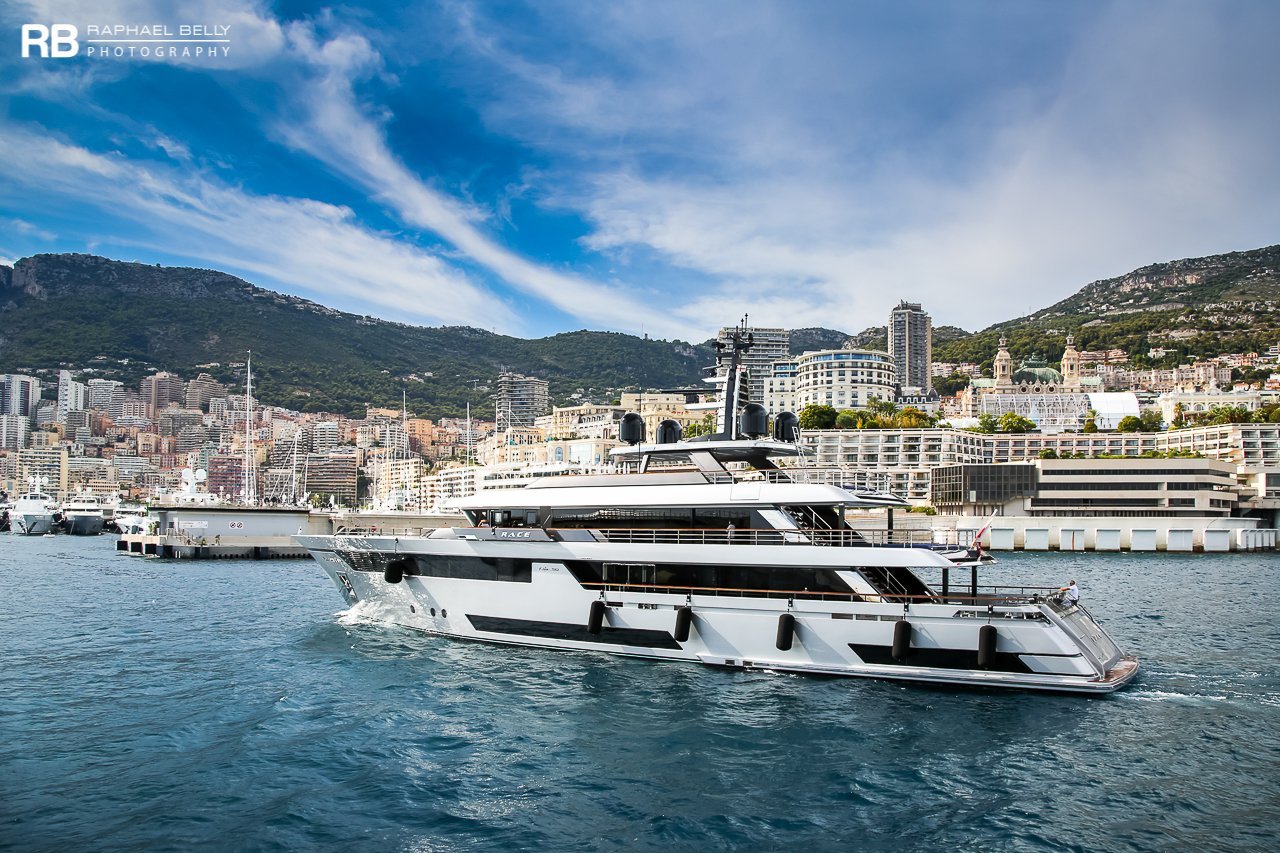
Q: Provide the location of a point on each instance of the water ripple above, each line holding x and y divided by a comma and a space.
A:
171, 706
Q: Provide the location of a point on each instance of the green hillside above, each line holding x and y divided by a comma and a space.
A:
1193, 308
91, 314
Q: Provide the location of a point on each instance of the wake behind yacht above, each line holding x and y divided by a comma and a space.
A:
706, 551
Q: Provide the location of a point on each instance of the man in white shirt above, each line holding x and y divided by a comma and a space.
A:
1070, 594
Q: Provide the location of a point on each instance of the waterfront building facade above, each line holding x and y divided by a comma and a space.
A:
161, 389
72, 395
842, 379
15, 432
19, 395
911, 345
1088, 488
520, 400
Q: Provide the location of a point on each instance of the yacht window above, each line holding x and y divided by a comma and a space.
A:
473, 568
780, 580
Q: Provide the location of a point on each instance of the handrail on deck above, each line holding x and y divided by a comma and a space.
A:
751, 536
982, 599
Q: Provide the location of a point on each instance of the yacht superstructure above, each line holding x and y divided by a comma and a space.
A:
705, 551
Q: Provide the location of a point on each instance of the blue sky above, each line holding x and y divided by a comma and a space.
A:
653, 167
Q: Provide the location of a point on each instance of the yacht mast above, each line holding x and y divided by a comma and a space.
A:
739, 342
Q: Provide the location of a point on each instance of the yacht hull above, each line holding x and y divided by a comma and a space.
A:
87, 524
32, 524
1037, 647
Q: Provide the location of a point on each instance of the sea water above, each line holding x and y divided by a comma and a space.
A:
177, 705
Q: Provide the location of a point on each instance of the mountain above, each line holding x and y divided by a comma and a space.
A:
1194, 307
123, 320
1237, 277
807, 340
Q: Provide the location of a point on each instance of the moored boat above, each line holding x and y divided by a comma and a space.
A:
83, 515
32, 514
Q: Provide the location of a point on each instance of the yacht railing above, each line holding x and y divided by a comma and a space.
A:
702, 536
986, 596
796, 536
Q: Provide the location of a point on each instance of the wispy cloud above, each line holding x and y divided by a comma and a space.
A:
334, 127
308, 245
27, 229
778, 152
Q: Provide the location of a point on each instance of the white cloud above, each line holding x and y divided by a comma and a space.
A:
305, 244
333, 127
732, 151
27, 229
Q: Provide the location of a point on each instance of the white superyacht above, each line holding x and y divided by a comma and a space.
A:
707, 552
33, 512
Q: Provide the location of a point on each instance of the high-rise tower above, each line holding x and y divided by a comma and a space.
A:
911, 345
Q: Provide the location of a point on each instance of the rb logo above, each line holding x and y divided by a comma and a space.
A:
58, 41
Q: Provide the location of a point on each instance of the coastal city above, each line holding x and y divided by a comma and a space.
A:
640, 426
868, 419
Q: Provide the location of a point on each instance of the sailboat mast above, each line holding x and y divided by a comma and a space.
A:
250, 490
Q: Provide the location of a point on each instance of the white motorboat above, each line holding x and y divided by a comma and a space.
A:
82, 515
705, 551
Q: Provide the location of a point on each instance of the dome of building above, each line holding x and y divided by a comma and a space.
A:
1036, 371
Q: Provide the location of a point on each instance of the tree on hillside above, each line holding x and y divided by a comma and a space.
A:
1129, 423
706, 426
817, 416
847, 419
987, 423
949, 386
1014, 422
913, 418
882, 408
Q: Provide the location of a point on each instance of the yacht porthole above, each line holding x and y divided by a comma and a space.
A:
433, 611
444, 614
